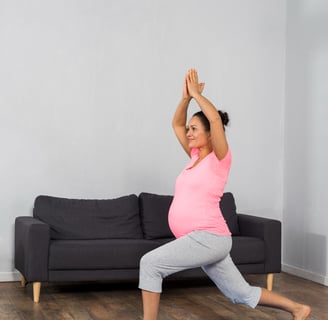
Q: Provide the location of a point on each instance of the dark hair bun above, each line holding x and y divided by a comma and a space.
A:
224, 117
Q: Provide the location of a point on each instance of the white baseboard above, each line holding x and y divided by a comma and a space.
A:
305, 274
10, 276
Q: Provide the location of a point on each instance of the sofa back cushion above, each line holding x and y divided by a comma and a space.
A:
154, 210
228, 209
90, 219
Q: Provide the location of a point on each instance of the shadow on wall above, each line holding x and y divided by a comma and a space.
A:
306, 132
315, 253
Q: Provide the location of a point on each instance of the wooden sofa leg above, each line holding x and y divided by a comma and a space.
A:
23, 282
269, 281
36, 291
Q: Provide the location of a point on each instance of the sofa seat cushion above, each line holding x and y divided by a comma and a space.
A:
98, 254
247, 250
91, 218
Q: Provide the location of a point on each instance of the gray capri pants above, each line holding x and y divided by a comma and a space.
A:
198, 249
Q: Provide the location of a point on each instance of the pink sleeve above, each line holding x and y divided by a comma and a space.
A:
226, 161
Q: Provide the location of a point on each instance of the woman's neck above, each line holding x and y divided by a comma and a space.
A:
204, 151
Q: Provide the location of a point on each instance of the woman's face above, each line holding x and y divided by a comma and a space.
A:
196, 134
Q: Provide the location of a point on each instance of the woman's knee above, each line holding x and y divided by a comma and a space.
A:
148, 263
246, 294
150, 275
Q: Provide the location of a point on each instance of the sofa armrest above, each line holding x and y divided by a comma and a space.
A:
268, 230
32, 238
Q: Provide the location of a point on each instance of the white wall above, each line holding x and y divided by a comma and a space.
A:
306, 134
88, 89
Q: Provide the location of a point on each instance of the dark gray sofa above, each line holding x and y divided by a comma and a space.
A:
92, 240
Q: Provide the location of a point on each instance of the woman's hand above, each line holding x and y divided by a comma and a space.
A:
192, 86
185, 93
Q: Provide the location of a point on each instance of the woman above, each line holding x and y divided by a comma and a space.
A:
202, 235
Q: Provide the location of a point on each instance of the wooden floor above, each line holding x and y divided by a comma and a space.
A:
180, 301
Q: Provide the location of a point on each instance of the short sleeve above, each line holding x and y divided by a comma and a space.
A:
226, 161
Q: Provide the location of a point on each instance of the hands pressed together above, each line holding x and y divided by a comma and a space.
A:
192, 87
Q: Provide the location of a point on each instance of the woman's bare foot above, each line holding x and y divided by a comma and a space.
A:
301, 312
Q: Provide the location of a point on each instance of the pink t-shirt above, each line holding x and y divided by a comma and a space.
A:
198, 191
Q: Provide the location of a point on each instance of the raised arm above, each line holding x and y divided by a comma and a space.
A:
180, 116
218, 137
179, 123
